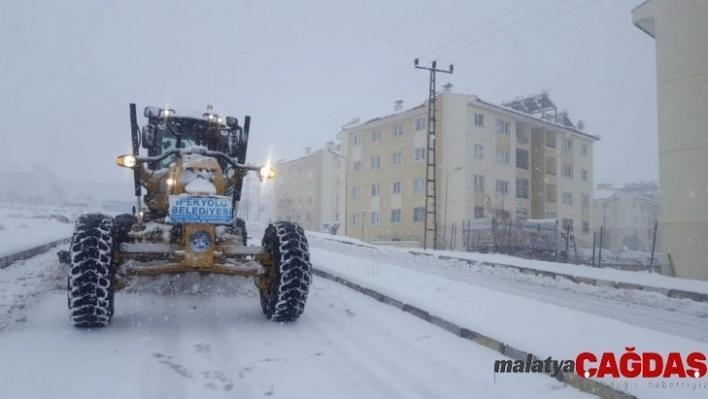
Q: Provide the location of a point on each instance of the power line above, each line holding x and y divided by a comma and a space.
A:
501, 29
525, 31
505, 13
364, 98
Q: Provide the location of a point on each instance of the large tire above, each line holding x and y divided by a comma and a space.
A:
284, 299
90, 283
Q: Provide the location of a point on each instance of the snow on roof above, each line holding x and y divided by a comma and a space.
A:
536, 118
603, 194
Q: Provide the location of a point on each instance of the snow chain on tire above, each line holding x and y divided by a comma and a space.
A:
91, 272
285, 299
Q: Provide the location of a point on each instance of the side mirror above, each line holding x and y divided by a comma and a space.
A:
151, 112
148, 136
231, 122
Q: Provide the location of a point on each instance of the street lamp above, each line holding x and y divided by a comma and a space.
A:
604, 221
447, 186
344, 198
363, 214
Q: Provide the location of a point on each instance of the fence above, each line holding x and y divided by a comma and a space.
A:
540, 239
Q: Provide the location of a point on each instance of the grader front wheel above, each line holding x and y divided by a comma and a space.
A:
284, 289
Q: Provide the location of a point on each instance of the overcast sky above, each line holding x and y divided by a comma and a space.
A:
302, 69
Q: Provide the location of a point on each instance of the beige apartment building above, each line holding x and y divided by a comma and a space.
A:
680, 31
495, 158
305, 189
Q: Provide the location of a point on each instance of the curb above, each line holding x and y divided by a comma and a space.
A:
669, 292
585, 385
6, 261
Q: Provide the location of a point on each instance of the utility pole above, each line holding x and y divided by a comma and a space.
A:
431, 224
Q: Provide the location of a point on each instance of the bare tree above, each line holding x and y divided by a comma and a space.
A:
496, 206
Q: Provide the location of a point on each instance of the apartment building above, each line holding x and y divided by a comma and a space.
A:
628, 214
680, 30
493, 160
305, 189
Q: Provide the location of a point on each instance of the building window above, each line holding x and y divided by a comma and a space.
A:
376, 135
551, 195
356, 192
419, 214
479, 151
356, 167
478, 212
397, 187
374, 218
550, 215
502, 157
420, 123
375, 190
397, 158
567, 171
419, 184
357, 140
586, 201
584, 149
551, 139
395, 216
567, 224
567, 144
419, 153
522, 137
586, 227
479, 183
356, 218
503, 126
522, 213
375, 163
502, 186
584, 175
551, 166
567, 198
522, 159
479, 120
397, 129
522, 188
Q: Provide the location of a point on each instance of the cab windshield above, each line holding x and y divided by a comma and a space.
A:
169, 143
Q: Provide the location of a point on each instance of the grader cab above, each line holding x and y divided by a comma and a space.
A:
186, 222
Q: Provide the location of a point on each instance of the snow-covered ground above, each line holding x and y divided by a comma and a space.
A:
26, 227
514, 309
211, 341
652, 310
193, 336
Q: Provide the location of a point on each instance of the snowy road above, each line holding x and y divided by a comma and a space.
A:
159, 345
679, 317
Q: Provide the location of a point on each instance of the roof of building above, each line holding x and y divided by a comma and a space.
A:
603, 194
489, 104
537, 119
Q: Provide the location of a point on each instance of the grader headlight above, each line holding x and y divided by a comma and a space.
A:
266, 172
127, 161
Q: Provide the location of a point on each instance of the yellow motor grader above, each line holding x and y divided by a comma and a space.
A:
186, 222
